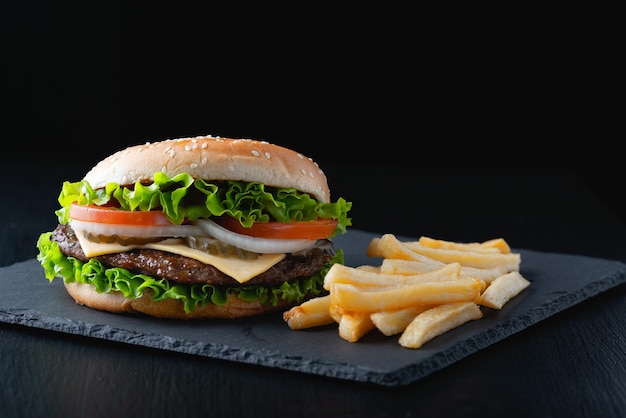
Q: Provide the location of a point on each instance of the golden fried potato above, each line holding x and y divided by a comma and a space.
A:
436, 321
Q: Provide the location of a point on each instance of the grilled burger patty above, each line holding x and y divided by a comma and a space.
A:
184, 270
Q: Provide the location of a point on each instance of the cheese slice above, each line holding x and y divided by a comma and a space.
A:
237, 268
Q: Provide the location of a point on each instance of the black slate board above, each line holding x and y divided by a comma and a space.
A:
558, 281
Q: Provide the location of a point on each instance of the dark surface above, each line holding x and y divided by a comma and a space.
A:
570, 364
558, 281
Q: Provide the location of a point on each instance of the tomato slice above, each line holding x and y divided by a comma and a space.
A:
111, 215
318, 229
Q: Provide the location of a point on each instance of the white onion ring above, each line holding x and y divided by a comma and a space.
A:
152, 231
254, 244
202, 227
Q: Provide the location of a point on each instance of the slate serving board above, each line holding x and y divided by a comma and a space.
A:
558, 281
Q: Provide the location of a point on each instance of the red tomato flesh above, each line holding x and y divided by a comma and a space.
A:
318, 229
110, 215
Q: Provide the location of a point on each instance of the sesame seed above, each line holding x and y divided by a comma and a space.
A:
204, 160
255, 153
303, 171
194, 165
172, 153
267, 155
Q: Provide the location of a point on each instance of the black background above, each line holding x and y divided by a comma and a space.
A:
488, 85
465, 121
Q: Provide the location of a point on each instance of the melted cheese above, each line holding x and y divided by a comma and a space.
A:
237, 268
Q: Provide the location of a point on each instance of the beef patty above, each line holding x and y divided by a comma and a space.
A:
184, 270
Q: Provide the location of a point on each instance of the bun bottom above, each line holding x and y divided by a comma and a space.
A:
116, 302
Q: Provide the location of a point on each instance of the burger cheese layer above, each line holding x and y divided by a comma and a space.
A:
239, 269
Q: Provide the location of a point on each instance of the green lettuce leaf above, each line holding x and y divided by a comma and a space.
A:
182, 198
56, 264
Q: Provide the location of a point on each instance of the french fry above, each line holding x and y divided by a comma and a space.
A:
312, 313
353, 298
420, 290
400, 266
395, 322
335, 312
340, 273
354, 325
502, 289
436, 321
510, 261
397, 266
486, 274
497, 245
388, 246
375, 269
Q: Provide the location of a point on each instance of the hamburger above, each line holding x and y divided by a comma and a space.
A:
202, 227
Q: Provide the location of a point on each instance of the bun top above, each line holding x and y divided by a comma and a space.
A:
213, 158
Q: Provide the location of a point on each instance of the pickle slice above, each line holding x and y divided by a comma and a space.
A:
216, 247
120, 239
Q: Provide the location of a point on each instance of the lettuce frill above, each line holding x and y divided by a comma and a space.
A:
105, 280
184, 199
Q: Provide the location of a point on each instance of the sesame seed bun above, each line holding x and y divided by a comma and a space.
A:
213, 158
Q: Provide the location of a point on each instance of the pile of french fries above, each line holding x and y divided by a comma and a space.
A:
420, 290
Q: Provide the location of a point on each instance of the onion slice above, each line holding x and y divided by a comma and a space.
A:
255, 244
202, 227
139, 231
